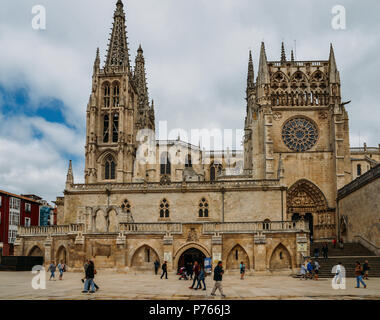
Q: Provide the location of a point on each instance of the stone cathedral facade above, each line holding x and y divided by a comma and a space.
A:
259, 206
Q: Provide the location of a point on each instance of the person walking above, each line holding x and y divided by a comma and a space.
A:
218, 277
156, 266
334, 242
164, 270
191, 270
303, 272
366, 268
52, 269
341, 245
316, 253
201, 277
61, 269
86, 264
90, 275
316, 269
196, 274
309, 268
359, 274
338, 278
242, 270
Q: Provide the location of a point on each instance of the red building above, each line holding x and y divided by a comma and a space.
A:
15, 211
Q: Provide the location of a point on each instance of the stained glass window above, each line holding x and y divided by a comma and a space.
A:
299, 134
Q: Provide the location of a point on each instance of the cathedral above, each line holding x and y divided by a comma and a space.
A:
259, 205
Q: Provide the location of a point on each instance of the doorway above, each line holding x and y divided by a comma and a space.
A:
190, 256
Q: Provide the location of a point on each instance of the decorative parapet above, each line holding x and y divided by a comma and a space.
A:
216, 239
259, 238
151, 228
49, 230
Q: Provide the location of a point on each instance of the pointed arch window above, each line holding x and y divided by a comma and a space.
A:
109, 168
164, 209
115, 127
107, 95
116, 95
214, 170
126, 206
203, 208
165, 166
106, 125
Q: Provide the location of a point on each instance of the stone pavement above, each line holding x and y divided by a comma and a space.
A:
141, 286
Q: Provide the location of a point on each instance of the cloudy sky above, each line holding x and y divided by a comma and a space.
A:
196, 58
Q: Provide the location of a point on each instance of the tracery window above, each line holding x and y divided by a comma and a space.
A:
107, 94
106, 125
115, 128
299, 134
164, 209
203, 208
116, 95
126, 206
165, 166
109, 168
214, 170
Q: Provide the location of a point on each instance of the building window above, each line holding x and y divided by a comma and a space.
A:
214, 170
12, 234
107, 92
106, 125
299, 134
165, 167
15, 203
188, 163
359, 170
110, 168
126, 206
203, 208
266, 224
115, 128
164, 209
28, 207
116, 95
27, 222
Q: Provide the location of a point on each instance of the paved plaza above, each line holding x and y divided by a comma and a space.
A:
141, 286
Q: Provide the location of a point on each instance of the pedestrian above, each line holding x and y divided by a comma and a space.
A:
156, 266
164, 270
90, 275
242, 270
86, 264
359, 274
218, 277
366, 268
191, 270
316, 253
52, 269
61, 269
325, 251
309, 268
303, 272
201, 277
341, 243
316, 269
334, 242
196, 269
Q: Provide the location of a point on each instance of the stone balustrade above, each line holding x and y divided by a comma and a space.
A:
49, 230
151, 228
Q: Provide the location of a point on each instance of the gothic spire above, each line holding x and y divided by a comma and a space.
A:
118, 53
250, 76
140, 79
333, 70
292, 56
263, 76
97, 61
283, 56
69, 176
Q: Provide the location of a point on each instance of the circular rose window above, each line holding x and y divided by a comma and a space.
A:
299, 134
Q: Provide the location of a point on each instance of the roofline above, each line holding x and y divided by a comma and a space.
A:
17, 196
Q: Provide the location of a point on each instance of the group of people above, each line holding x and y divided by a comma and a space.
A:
53, 268
310, 269
88, 280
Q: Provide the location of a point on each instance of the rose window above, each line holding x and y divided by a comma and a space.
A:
299, 134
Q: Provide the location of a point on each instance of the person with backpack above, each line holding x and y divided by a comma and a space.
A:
61, 269
366, 268
52, 269
201, 277
359, 274
242, 270
218, 277
309, 268
90, 275
164, 270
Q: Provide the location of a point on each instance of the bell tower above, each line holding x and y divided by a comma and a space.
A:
118, 107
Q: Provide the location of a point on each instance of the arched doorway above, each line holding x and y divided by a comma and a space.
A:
36, 252
306, 201
235, 257
190, 256
62, 255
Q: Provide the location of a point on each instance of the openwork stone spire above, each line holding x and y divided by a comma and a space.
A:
263, 76
118, 53
283, 55
140, 79
250, 76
